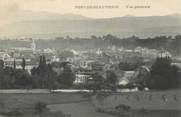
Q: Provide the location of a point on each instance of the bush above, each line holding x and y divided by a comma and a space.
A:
40, 107
123, 107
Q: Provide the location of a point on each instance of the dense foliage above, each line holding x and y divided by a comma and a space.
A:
164, 75
169, 43
42, 76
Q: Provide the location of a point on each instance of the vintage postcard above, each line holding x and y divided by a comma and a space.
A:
90, 58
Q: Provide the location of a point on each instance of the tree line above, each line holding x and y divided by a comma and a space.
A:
42, 76
171, 44
163, 75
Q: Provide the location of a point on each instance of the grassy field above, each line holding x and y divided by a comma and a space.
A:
25, 103
58, 105
141, 103
81, 109
80, 105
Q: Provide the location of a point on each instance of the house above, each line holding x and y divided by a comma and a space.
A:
86, 64
97, 66
29, 63
82, 77
4, 56
126, 77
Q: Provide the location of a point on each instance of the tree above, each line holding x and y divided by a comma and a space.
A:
7, 78
43, 76
1, 72
67, 77
141, 76
97, 82
23, 63
111, 78
131, 63
22, 79
1, 65
14, 64
42, 62
14, 78
164, 75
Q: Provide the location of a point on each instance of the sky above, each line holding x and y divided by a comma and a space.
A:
9, 8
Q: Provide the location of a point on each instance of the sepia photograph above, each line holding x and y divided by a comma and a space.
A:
90, 58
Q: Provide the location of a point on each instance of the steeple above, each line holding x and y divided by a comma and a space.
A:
33, 45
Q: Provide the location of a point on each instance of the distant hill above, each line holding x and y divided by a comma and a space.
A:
47, 25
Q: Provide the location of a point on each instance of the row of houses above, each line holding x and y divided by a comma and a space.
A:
123, 77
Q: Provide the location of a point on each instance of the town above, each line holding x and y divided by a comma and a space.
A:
121, 67
90, 58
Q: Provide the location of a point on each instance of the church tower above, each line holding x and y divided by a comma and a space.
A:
33, 45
